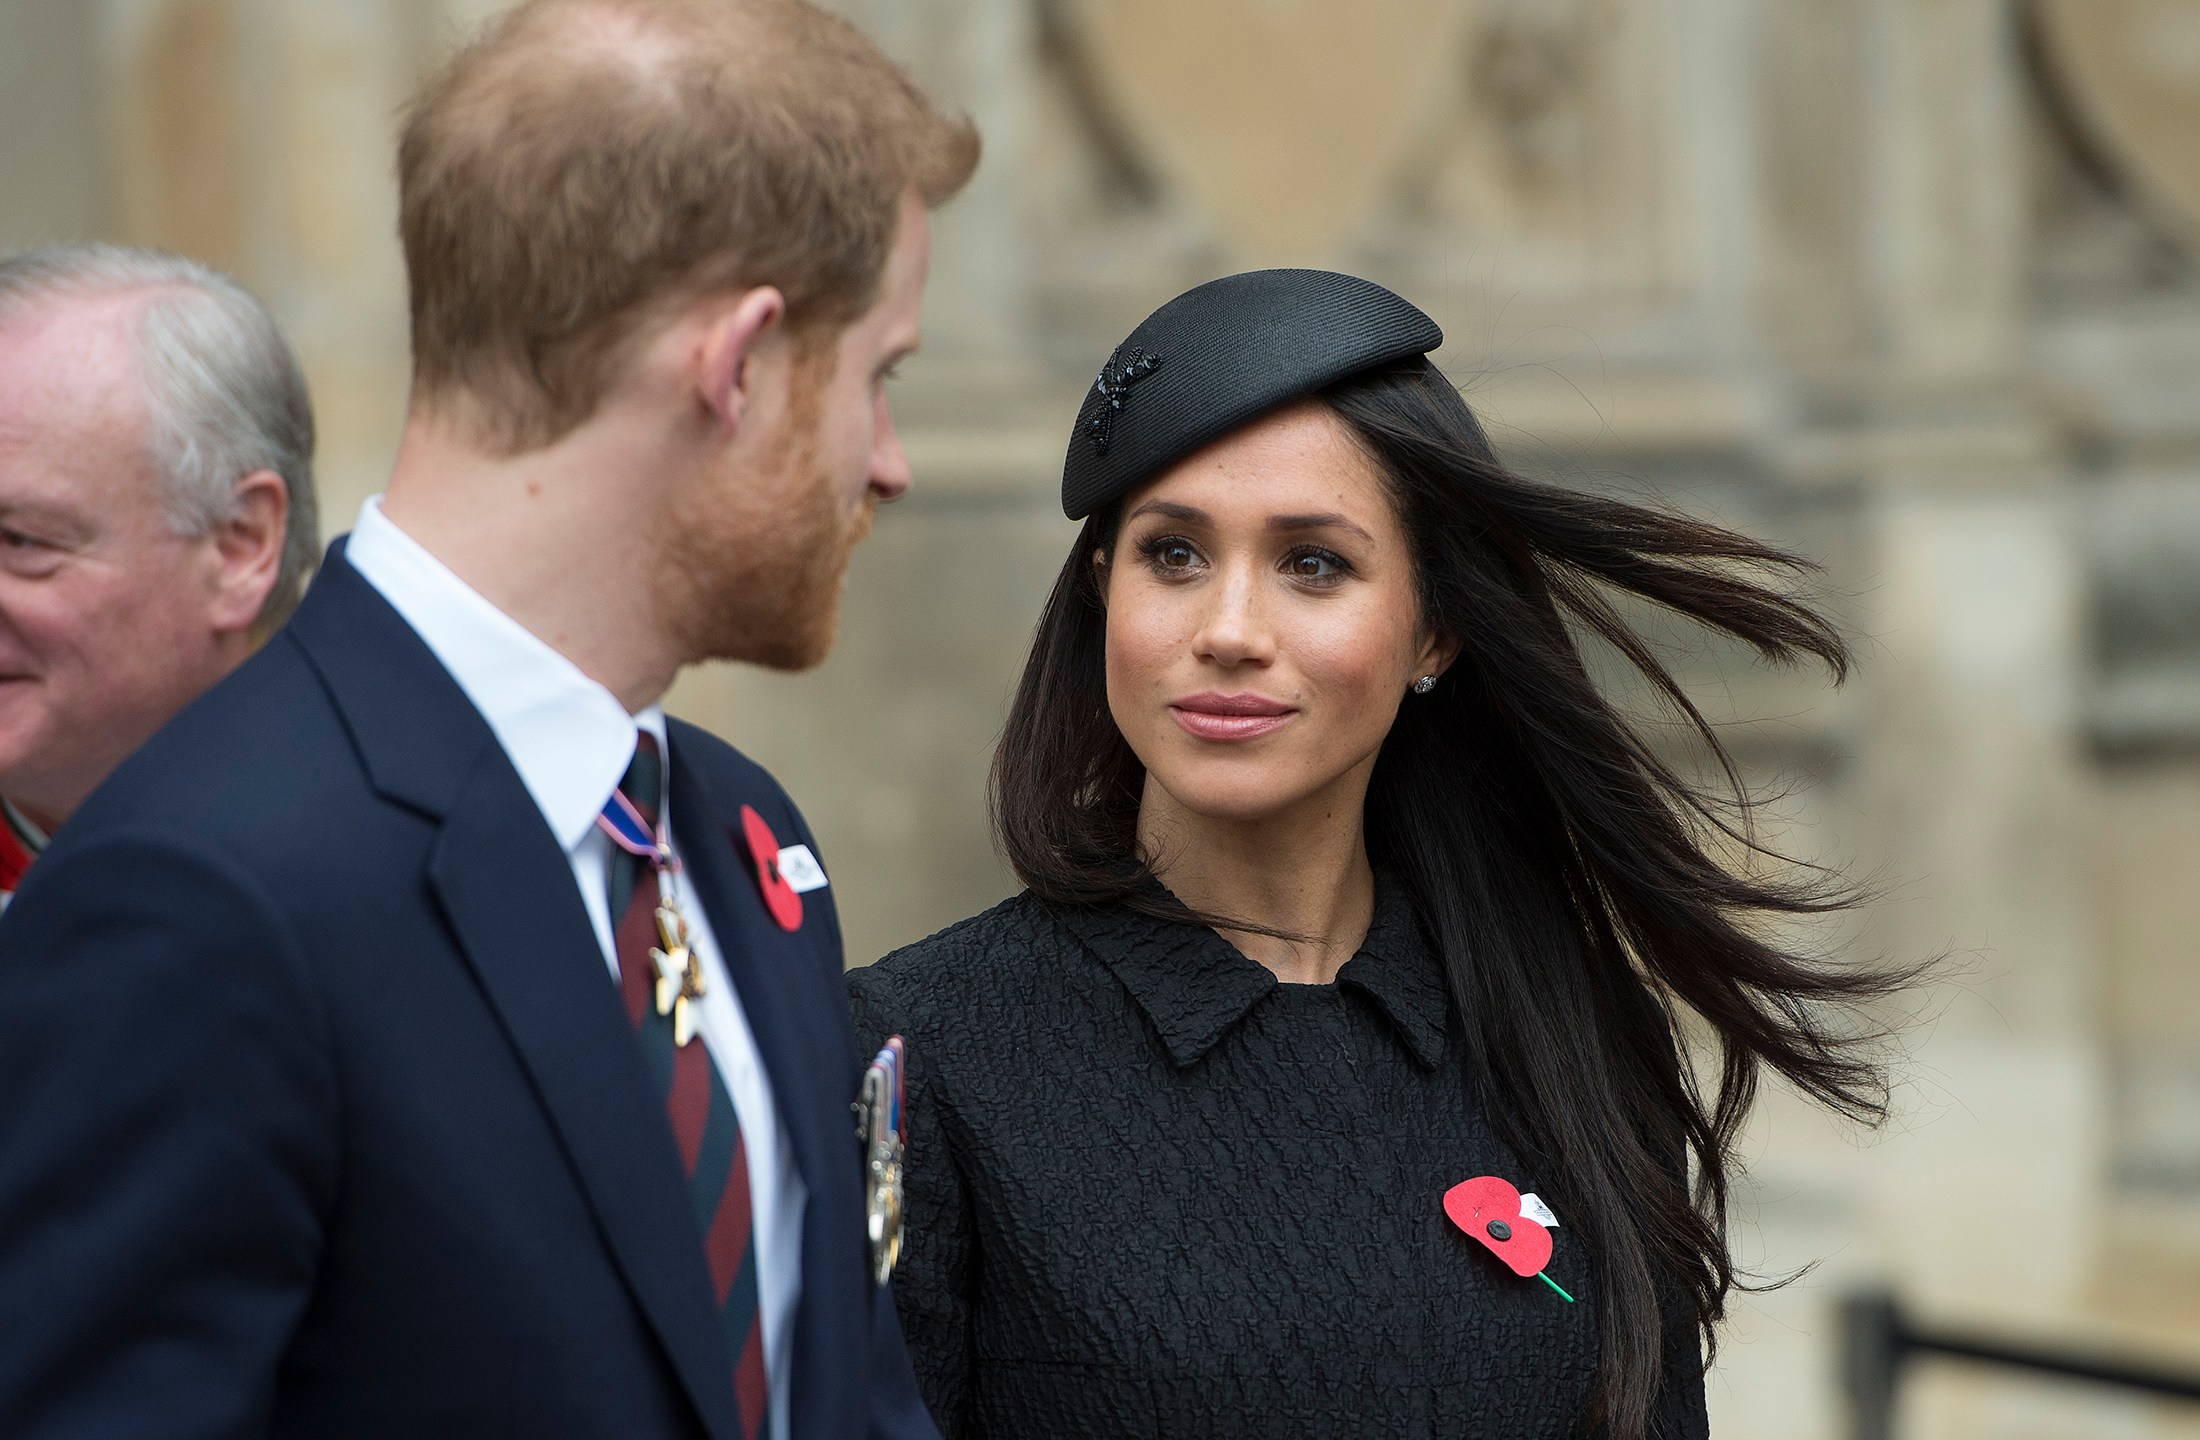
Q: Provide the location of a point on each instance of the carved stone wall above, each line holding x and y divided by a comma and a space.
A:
1913, 285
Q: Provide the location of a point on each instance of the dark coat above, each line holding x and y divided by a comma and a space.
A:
321, 1116
1154, 1192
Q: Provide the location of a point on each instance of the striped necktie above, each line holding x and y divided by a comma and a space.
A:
703, 1121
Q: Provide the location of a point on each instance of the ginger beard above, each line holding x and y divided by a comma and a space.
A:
753, 568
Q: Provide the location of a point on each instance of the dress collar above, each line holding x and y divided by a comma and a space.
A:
1398, 969
1193, 985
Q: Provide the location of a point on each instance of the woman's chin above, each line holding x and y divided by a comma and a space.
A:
1229, 799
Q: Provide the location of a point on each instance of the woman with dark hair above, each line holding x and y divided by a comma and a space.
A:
1329, 1075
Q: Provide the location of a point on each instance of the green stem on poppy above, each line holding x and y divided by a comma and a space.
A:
1554, 1285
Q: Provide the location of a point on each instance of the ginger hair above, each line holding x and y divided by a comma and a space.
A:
585, 165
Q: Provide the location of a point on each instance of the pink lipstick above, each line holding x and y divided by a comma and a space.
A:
1213, 716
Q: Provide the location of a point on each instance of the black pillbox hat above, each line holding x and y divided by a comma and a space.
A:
1220, 356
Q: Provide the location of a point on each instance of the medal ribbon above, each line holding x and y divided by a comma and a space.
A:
633, 834
889, 1059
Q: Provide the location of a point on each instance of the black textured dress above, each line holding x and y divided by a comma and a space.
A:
1153, 1191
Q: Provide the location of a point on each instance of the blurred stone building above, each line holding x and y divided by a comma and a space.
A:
1913, 285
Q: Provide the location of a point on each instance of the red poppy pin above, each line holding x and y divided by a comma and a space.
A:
779, 896
1493, 1212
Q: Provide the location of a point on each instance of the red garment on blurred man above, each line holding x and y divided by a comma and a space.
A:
20, 842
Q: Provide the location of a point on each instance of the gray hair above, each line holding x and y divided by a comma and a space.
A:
223, 391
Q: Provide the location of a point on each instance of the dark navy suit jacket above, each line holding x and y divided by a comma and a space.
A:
320, 1115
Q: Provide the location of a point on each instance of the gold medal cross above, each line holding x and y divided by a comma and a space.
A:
679, 969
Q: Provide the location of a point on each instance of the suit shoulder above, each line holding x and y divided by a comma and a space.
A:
729, 774
716, 757
267, 736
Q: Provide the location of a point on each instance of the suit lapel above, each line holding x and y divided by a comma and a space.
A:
507, 888
802, 1054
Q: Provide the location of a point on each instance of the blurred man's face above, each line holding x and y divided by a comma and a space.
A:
104, 628
756, 560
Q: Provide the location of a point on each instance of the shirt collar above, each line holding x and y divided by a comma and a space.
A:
1193, 985
568, 737
27, 834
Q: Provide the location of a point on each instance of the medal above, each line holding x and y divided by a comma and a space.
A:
884, 1143
679, 969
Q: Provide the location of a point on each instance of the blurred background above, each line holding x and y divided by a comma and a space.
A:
1912, 285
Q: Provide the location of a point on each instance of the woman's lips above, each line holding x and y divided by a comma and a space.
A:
1230, 717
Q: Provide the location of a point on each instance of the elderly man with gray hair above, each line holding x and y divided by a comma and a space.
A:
156, 510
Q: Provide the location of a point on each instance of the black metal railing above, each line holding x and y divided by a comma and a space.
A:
1878, 1341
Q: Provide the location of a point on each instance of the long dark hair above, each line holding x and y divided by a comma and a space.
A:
1570, 876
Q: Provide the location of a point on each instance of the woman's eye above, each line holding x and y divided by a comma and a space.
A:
1314, 565
1168, 553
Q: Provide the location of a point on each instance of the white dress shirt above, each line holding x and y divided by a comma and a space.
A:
571, 740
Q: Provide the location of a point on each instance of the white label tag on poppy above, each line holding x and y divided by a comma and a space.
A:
799, 868
1532, 1206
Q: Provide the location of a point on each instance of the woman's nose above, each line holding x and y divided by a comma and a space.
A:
1235, 628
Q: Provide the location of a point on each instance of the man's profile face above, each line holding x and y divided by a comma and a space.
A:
756, 560
103, 607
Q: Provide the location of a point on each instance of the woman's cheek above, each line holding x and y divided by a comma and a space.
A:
1351, 667
1144, 639
1342, 659
1137, 671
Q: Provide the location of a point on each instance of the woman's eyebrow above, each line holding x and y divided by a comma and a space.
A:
1169, 510
1328, 520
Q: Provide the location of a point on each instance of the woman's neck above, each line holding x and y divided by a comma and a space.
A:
1304, 871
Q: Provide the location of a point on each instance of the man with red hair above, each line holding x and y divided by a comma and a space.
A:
423, 1035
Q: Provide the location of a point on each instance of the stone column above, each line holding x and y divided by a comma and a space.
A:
1944, 194
257, 135
1899, 296
52, 182
974, 56
1979, 1196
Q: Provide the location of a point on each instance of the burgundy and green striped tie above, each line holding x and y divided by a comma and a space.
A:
703, 1121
